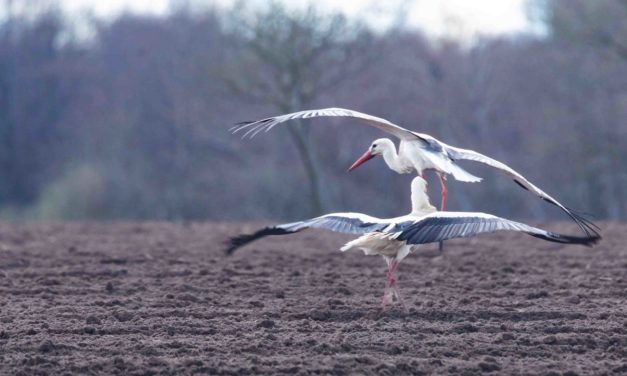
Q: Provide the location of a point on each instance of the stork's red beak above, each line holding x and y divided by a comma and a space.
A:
366, 157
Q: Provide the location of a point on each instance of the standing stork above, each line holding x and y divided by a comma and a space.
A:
395, 238
417, 152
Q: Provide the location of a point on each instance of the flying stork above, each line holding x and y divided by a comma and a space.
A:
417, 152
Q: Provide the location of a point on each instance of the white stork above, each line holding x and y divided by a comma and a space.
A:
395, 238
417, 152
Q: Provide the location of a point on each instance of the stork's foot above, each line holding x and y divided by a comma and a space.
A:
388, 298
397, 295
392, 293
441, 246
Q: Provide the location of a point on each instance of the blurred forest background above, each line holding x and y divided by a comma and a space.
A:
129, 119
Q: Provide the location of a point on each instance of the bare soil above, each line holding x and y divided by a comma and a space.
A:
158, 298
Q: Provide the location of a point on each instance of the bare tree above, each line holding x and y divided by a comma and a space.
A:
289, 59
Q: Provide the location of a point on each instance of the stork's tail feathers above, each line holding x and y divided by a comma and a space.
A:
352, 245
462, 175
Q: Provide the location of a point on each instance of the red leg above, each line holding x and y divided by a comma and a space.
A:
396, 291
444, 192
387, 293
391, 288
443, 202
398, 296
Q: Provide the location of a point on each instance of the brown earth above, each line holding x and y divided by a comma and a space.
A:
156, 298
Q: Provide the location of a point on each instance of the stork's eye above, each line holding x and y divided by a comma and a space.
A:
374, 146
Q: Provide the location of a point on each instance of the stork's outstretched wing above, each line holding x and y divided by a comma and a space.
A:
251, 128
455, 154
441, 226
347, 223
432, 228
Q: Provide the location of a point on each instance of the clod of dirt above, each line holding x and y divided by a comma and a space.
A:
115, 261
549, 340
507, 336
46, 346
537, 295
466, 328
92, 320
123, 316
394, 350
489, 367
266, 324
50, 282
256, 304
188, 297
119, 363
344, 291
319, 315
109, 287
570, 373
573, 300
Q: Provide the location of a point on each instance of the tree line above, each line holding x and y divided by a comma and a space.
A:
132, 122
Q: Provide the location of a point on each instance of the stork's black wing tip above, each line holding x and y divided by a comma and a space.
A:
241, 240
243, 123
238, 241
587, 223
229, 250
587, 241
231, 246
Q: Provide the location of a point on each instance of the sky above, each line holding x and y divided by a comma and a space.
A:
463, 19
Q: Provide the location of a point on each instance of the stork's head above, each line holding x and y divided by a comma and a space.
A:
377, 147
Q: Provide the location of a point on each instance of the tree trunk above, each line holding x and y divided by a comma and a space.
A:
311, 169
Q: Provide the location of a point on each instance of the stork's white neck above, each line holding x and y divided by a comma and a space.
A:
391, 158
419, 199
